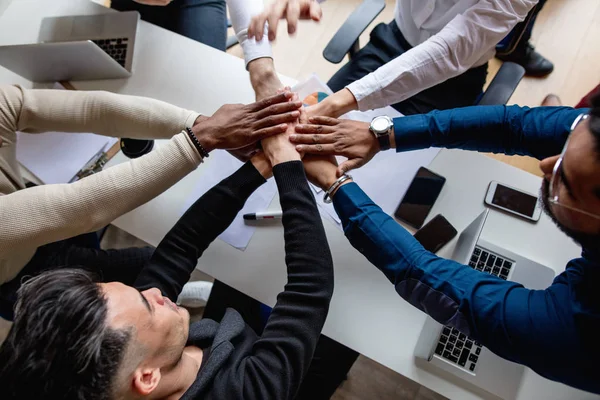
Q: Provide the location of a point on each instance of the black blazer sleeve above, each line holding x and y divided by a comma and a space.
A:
177, 254
282, 355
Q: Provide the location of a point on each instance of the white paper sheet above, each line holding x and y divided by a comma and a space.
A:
386, 178
220, 165
56, 157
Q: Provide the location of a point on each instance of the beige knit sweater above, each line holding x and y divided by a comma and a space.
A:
32, 217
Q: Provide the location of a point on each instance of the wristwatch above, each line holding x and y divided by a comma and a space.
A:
381, 127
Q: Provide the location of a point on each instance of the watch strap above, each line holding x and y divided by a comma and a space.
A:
384, 141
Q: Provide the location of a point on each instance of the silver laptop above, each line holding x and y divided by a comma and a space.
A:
74, 48
447, 349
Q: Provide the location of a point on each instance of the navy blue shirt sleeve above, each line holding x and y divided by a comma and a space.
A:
537, 132
533, 327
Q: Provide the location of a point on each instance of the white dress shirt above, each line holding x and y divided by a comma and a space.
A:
448, 38
241, 12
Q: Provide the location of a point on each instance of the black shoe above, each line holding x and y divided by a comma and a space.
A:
534, 63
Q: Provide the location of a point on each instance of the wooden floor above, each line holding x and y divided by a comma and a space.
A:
567, 32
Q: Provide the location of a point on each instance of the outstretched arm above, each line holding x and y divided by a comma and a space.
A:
465, 41
538, 132
292, 331
516, 323
103, 113
177, 254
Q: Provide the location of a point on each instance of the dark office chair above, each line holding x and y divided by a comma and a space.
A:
346, 41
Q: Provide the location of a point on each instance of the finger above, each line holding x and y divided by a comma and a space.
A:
251, 28
258, 25
307, 129
277, 12
321, 120
349, 165
266, 132
315, 11
277, 119
322, 149
279, 108
268, 101
312, 139
293, 13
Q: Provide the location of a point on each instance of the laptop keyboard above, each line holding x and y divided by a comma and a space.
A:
455, 346
116, 48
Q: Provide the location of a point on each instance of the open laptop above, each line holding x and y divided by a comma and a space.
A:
448, 349
82, 47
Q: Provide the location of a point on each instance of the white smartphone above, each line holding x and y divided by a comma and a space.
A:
514, 201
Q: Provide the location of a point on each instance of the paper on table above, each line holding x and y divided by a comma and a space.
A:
219, 166
56, 157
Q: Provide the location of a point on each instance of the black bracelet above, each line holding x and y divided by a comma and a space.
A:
199, 147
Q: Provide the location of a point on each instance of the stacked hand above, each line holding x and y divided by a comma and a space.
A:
329, 136
235, 126
278, 148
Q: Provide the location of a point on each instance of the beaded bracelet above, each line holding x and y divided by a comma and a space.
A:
197, 144
327, 196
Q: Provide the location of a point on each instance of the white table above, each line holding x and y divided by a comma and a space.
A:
366, 314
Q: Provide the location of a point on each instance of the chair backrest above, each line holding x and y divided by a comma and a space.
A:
503, 85
346, 38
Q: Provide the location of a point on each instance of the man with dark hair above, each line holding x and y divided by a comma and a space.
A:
552, 331
76, 339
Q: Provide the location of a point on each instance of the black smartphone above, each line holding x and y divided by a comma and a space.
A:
420, 197
436, 233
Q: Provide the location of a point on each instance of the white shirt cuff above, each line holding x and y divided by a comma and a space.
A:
367, 93
253, 49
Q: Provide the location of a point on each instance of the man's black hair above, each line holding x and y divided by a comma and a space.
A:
60, 346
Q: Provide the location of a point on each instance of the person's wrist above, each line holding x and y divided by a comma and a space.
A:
338, 104
202, 132
281, 155
201, 118
332, 194
262, 165
263, 77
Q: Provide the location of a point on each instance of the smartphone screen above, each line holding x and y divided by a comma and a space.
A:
436, 233
514, 200
420, 197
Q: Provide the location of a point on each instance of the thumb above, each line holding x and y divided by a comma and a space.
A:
348, 166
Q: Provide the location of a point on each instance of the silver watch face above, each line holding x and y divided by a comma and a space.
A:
380, 125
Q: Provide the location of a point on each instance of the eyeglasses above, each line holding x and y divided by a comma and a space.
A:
557, 172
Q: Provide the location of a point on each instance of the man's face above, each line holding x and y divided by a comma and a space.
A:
578, 187
161, 327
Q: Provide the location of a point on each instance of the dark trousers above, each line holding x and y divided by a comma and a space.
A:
331, 361
202, 20
519, 37
387, 43
122, 265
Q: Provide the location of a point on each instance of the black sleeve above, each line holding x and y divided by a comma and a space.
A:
177, 254
282, 355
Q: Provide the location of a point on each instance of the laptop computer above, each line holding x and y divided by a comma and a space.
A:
447, 349
84, 47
